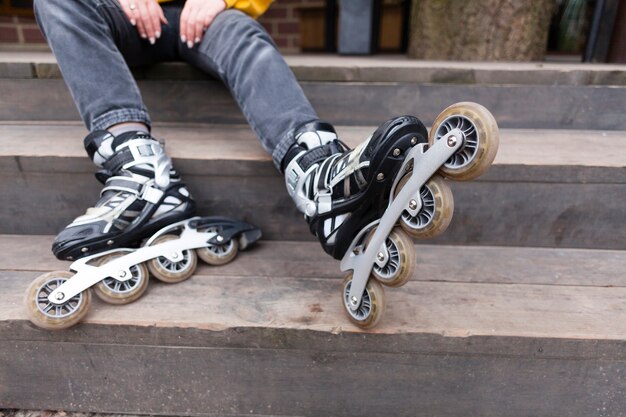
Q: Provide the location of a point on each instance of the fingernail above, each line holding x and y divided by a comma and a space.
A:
189, 44
143, 35
197, 40
152, 41
133, 22
158, 35
183, 38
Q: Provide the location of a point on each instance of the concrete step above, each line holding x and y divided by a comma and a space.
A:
551, 188
478, 331
352, 91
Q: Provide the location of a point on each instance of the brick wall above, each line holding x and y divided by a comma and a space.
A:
281, 21
20, 30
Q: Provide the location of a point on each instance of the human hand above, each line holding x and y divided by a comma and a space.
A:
146, 15
196, 17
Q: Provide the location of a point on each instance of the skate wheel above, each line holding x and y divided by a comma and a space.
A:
218, 254
436, 213
401, 261
172, 272
481, 139
112, 291
373, 303
49, 316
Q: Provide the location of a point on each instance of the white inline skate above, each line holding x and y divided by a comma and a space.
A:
60, 299
363, 204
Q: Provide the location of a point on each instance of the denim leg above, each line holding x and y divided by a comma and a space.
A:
238, 50
85, 36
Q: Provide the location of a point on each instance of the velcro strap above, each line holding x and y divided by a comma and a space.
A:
123, 184
152, 195
314, 156
117, 161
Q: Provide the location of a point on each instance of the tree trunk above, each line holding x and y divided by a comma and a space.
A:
477, 30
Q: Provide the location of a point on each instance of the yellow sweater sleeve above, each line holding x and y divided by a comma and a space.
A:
253, 8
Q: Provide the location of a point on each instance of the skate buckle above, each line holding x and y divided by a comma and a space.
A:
324, 202
151, 194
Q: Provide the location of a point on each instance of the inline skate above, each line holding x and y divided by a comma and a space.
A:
365, 204
60, 299
142, 193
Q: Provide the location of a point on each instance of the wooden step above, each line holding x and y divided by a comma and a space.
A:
478, 331
554, 188
351, 91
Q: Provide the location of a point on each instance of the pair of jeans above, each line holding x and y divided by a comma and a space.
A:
95, 44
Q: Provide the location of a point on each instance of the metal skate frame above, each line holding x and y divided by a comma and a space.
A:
425, 162
119, 269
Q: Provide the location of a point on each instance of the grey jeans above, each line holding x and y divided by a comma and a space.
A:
94, 44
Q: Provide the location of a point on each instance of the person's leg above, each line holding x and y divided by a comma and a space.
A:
94, 43
242, 54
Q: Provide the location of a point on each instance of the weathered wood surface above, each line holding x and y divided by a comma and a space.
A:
478, 331
453, 309
452, 349
26, 143
152, 379
544, 189
440, 263
380, 68
352, 103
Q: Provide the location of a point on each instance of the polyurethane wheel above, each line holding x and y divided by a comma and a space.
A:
112, 291
172, 272
481, 139
436, 213
372, 307
401, 261
50, 316
219, 254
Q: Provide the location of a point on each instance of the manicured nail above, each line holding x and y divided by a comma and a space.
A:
152, 41
133, 22
197, 40
189, 44
183, 38
158, 35
143, 35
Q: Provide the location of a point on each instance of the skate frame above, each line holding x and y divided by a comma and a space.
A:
119, 269
425, 162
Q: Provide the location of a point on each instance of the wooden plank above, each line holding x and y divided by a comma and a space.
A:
449, 348
486, 212
207, 381
468, 264
38, 145
381, 68
207, 101
449, 309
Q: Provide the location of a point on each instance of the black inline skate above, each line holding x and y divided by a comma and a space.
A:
142, 193
143, 203
362, 203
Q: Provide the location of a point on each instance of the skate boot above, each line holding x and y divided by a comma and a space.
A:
363, 204
340, 190
141, 194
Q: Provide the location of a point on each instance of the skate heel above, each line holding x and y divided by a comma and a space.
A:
462, 144
59, 299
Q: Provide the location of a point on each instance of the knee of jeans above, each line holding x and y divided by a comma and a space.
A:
239, 27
